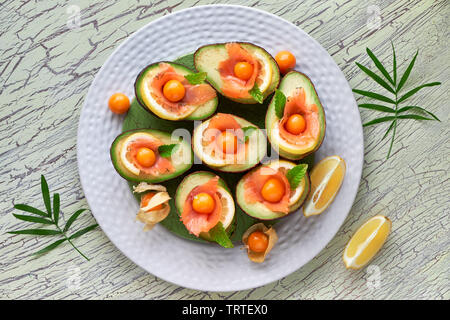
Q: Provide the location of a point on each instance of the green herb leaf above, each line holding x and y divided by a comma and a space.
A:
26, 208
83, 231
376, 78
40, 232
376, 107
72, 219
46, 195
374, 95
394, 64
32, 219
407, 72
166, 150
256, 94
379, 65
392, 140
416, 108
296, 174
247, 132
196, 78
413, 91
280, 102
49, 247
219, 235
56, 204
388, 130
379, 120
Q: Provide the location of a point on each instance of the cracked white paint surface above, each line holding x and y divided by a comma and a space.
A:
46, 69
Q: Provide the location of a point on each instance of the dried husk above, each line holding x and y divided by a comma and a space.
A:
259, 257
145, 214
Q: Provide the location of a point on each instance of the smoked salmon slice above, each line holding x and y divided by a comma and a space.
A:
255, 182
161, 165
233, 86
296, 104
194, 95
196, 222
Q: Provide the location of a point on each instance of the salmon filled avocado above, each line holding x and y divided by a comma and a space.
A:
173, 92
206, 207
295, 119
146, 155
229, 143
242, 72
273, 190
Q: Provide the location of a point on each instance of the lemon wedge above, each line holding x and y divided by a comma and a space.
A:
366, 242
227, 207
326, 179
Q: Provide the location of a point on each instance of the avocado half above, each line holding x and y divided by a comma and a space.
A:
196, 179
207, 59
258, 210
256, 150
288, 85
183, 153
143, 92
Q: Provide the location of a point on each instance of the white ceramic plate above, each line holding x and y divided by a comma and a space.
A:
206, 266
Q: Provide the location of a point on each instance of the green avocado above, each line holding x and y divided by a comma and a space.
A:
255, 151
181, 157
257, 209
143, 92
288, 85
207, 59
199, 178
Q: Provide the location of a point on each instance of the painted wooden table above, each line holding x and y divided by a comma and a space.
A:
50, 52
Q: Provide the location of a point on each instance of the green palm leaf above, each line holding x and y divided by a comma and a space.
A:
83, 231
32, 219
376, 107
374, 95
407, 72
40, 232
56, 204
49, 247
379, 65
379, 120
388, 130
413, 91
416, 108
394, 64
72, 219
30, 209
46, 195
413, 116
376, 78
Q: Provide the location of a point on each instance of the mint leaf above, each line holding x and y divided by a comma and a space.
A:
196, 78
219, 235
296, 174
247, 132
166, 150
280, 102
256, 94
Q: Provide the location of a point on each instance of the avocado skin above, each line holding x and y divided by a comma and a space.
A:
203, 235
293, 208
131, 177
138, 83
275, 70
271, 109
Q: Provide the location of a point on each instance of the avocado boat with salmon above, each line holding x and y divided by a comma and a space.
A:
206, 207
240, 71
171, 91
295, 119
146, 155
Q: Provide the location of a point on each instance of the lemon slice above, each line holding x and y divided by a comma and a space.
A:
227, 207
326, 179
366, 242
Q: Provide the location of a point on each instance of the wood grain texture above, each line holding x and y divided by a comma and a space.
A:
46, 69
